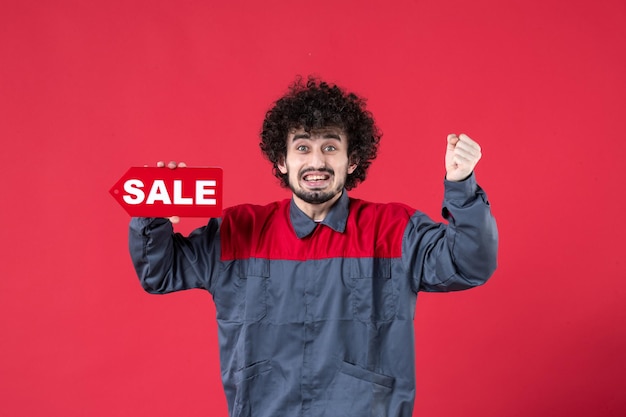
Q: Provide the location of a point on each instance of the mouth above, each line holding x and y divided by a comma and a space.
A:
316, 179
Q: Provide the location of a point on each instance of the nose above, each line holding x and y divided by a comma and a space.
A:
317, 159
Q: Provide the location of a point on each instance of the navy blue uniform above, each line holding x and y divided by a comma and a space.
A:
316, 319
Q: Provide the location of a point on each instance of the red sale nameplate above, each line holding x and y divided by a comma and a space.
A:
164, 192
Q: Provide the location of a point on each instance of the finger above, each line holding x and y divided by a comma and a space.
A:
182, 165
452, 139
160, 164
174, 219
463, 159
172, 164
468, 145
466, 150
463, 138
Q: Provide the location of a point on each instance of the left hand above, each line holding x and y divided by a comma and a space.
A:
462, 155
172, 165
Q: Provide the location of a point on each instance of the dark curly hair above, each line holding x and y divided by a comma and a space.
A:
315, 104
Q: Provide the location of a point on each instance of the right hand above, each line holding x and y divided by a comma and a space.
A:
172, 165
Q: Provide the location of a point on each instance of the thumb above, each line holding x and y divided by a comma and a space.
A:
453, 139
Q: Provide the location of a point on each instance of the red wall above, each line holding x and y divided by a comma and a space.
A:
90, 88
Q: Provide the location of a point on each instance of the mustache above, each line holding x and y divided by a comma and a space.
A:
327, 170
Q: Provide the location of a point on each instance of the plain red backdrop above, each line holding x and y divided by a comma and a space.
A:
90, 88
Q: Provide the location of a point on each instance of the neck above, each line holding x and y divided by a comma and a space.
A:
317, 212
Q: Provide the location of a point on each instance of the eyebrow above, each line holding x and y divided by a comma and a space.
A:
325, 135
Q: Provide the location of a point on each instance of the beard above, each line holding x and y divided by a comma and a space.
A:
313, 196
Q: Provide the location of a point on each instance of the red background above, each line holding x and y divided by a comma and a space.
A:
90, 88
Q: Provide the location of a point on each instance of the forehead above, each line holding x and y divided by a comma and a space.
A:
325, 132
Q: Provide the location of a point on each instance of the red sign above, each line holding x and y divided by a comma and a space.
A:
164, 192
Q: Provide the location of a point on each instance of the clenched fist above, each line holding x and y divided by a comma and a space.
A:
462, 155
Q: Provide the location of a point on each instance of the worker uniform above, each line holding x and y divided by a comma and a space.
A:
316, 318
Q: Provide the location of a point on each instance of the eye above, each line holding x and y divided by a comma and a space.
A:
330, 148
302, 148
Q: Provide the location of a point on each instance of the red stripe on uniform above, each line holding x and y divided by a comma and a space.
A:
372, 230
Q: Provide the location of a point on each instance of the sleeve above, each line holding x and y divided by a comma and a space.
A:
455, 256
166, 261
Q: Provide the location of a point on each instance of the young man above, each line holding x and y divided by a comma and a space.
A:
315, 295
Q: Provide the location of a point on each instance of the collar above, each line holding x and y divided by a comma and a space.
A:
336, 218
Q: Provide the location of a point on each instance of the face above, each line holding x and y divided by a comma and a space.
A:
317, 164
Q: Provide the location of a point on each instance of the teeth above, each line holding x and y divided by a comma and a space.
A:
314, 177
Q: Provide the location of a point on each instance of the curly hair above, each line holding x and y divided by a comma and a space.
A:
315, 104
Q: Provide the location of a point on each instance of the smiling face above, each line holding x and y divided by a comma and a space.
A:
317, 166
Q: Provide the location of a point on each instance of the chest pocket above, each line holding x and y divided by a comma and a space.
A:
253, 275
373, 295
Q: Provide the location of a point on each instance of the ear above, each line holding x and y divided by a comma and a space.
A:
354, 163
280, 164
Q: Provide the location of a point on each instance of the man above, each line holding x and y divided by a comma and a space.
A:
315, 295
